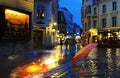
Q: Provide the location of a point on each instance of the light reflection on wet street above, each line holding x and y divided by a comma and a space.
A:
56, 61
100, 63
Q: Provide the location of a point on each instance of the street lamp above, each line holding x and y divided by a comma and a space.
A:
53, 30
54, 23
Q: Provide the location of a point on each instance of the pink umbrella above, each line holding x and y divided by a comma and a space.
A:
83, 52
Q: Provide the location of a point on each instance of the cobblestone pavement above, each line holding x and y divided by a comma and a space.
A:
7, 63
100, 63
10, 62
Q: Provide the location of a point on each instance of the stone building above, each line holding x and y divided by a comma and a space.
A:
26, 25
65, 22
103, 20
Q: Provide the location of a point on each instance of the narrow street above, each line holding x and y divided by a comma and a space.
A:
61, 60
100, 63
53, 39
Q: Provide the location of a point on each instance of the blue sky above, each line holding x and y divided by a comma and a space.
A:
74, 6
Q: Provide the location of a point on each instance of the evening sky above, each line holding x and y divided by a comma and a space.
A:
74, 7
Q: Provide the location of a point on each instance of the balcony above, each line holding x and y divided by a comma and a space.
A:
88, 15
101, 1
113, 13
94, 16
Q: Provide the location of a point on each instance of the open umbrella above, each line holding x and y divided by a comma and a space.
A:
83, 52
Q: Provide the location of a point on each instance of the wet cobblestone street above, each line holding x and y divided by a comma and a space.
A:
100, 63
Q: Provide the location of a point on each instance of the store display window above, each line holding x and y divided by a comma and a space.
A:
16, 25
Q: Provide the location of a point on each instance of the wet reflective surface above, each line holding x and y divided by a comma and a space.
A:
56, 62
100, 63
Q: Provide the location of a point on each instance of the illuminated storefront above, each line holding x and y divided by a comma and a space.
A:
114, 34
15, 24
109, 36
94, 35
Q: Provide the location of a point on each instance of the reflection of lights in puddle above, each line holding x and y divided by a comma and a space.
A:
61, 56
32, 68
11, 58
49, 61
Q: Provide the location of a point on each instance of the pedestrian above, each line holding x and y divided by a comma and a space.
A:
61, 43
66, 44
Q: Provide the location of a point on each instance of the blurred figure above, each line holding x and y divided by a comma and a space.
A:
61, 43
66, 44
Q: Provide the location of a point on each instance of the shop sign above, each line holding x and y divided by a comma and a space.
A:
40, 14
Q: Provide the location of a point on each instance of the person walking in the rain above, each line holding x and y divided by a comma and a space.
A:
66, 44
61, 43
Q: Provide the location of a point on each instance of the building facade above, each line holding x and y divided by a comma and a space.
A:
103, 24
27, 24
46, 28
65, 22
86, 20
16, 25
77, 30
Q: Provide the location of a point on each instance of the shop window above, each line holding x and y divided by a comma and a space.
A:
16, 25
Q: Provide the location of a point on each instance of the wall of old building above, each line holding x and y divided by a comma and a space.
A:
8, 47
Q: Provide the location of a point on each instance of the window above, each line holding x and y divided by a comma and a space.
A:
16, 25
114, 6
95, 11
104, 22
94, 23
61, 17
114, 21
104, 8
89, 23
88, 9
40, 14
85, 26
94, 2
